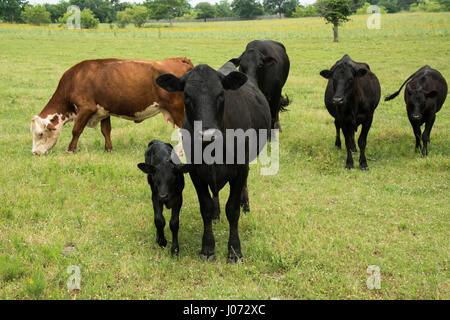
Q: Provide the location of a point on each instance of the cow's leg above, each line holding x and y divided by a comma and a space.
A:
275, 109
84, 113
362, 141
174, 226
244, 198
426, 133
337, 143
348, 132
353, 143
207, 209
106, 131
216, 216
159, 221
417, 134
233, 213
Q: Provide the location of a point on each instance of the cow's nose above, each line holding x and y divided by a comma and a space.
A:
416, 116
36, 153
338, 100
208, 135
163, 196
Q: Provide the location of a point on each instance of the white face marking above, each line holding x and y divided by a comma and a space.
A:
44, 133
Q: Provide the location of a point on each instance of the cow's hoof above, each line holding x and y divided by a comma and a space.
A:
216, 220
161, 242
349, 167
205, 257
175, 251
108, 150
70, 151
364, 168
245, 208
235, 259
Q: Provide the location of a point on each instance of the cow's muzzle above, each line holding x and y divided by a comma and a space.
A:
209, 135
416, 116
338, 100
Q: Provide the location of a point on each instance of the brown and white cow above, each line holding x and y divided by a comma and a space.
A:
93, 90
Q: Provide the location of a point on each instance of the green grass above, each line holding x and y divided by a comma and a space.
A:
314, 228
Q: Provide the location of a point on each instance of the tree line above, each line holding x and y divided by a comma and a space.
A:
94, 12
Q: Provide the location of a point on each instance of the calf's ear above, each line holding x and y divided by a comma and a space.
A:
361, 72
431, 94
234, 80
170, 83
326, 74
146, 168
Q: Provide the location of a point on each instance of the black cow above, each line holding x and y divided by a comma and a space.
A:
221, 101
351, 97
266, 63
166, 180
425, 93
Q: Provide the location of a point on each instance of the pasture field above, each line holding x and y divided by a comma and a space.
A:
314, 228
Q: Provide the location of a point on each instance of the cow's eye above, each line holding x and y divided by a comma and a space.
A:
41, 134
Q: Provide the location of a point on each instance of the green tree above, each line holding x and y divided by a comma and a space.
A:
205, 10
335, 12
87, 19
223, 9
123, 18
246, 8
57, 10
275, 6
102, 9
167, 9
10, 10
289, 7
36, 15
308, 11
139, 14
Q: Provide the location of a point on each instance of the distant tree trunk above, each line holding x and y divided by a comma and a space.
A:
170, 22
335, 32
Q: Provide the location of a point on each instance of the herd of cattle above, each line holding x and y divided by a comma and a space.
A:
245, 93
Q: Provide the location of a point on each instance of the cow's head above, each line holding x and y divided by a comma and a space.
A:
416, 101
343, 76
164, 173
253, 63
204, 97
45, 133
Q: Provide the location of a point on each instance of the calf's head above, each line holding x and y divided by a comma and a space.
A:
253, 63
164, 173
204, 96
416, 99
343, 76
45, 133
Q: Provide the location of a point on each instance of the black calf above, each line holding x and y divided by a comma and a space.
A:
167, 183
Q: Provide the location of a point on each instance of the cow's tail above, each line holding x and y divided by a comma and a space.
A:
392, 96
284, 102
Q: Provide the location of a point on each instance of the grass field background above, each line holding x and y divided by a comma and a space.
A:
314, 228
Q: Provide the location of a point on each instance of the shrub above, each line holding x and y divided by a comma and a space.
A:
87, 19
363, 9
308, 11
426, 6
136, 15
36, 15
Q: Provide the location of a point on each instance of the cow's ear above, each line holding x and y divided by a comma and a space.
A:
361, 72
234, 80
170, 83
326, 74
50, 127
431, 94
268, 60
146, 168
236, 61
